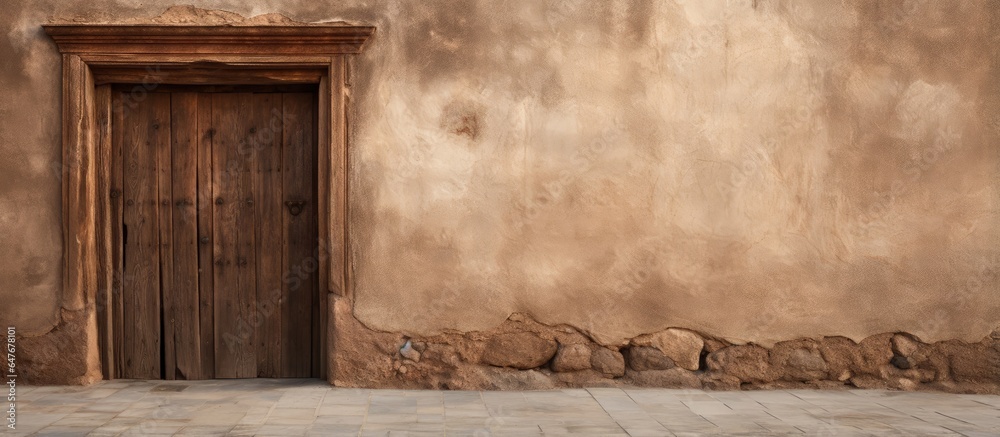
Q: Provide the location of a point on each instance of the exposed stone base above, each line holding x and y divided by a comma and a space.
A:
523, 354
66, 355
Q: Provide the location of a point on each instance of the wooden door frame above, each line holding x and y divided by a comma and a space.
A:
96, 55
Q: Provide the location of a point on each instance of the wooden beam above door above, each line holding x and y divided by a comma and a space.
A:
125, 39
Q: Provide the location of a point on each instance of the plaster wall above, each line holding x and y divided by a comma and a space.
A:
754, 170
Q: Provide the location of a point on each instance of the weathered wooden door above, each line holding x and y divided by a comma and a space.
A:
214, 190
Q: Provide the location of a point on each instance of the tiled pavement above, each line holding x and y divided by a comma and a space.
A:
299, 407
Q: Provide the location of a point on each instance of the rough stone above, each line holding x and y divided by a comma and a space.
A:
972, 362
440, 353
904, 345
641, 358
584, 378
934, 358
907, 384
749, 363
827, 385
875, 352
902, 362
714, 344
720, 381
520, 350
409, 352
799, 360
669, 378
504, 379
680, 345
571, 357
868, 382
608, 362
498, 378
840, 354
920, 375
866, 358
805, 365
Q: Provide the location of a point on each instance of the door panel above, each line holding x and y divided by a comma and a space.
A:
181, 327
145, 134
220, 271
164, 222
235, 291
246, 249
300, 263
206, 240
266, 141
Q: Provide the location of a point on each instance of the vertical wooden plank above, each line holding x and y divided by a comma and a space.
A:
299, 161
105, 263
160, 134
78, 173
164, 173
144, 135
227, 337
333, 112
323, 226
267, 189
117, 208
246, 224
234, 354
206, 255
338, 183
183, 320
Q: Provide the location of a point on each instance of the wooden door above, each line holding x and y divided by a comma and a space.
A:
214, 190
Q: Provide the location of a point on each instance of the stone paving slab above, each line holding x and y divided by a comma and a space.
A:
269, 407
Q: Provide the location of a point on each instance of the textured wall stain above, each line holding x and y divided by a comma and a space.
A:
757, 170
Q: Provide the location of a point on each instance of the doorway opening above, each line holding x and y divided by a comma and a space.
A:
97, 237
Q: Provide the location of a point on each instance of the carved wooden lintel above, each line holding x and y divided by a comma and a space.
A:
130, 39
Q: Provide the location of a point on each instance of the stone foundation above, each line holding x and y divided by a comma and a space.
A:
523, 354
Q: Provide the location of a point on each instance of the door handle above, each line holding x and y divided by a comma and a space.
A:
295, 207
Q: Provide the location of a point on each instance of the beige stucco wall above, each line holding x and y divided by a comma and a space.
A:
757, 170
